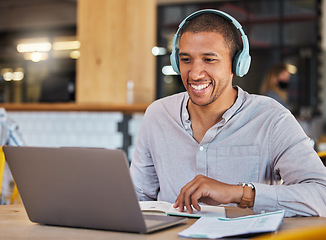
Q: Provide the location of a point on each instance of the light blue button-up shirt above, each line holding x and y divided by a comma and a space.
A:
257, 141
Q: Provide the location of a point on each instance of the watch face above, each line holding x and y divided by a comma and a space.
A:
251, 185
246, 184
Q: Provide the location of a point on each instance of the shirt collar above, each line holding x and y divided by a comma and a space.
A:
237, 104
184, 112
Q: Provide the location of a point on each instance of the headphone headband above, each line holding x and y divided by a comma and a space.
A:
242, 59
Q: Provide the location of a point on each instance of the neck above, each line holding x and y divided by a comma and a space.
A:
211, 114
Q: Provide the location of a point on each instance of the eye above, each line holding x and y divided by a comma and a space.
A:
209, 59
185, 59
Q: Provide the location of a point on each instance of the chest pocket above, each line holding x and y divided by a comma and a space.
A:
237, 163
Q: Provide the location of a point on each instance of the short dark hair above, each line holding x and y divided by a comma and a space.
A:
211, 22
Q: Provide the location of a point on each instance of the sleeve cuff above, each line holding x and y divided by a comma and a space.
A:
265, 198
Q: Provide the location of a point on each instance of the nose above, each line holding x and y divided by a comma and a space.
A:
197, 71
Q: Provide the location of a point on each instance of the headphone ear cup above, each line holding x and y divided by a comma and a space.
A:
236, 63
241, 63
174, 59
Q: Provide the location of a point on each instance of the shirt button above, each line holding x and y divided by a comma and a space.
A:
201, 148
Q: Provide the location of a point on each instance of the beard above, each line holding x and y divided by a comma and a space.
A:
217, 92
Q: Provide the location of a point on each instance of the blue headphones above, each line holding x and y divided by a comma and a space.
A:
242, 59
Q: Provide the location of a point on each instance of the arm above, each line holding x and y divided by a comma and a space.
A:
209, 191
303, 191
142, 168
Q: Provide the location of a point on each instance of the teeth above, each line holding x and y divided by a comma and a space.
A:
199, 87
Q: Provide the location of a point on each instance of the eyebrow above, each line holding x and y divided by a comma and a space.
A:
211, 54
204, 54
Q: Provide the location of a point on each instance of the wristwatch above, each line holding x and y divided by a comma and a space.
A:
247, 194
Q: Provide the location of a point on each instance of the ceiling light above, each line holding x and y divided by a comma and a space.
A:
168, 70
17, 76
158, 51
34, 47
8, 75
66, 45
292, 69
74, 54
36, 56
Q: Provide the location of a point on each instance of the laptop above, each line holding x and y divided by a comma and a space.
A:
80, 187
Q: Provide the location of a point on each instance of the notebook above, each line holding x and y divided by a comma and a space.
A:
80, 187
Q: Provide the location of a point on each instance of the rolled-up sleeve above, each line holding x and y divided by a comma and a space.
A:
303, 188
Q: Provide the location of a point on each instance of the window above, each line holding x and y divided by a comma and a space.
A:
38, 50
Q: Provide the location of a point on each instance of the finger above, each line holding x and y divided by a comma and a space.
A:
188, 205
194, 202
197, 196
191, 200
178, 206
180, 201
176, 203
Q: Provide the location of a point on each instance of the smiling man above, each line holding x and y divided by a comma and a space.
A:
207, 76
217, 144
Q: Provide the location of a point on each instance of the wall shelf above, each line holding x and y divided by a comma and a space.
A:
101, 107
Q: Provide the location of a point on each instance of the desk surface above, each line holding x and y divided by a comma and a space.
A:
14, 224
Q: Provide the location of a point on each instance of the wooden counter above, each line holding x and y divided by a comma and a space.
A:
133, 108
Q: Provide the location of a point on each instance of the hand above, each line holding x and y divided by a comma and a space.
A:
209, 191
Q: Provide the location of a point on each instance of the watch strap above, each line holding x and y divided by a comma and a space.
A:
246, 197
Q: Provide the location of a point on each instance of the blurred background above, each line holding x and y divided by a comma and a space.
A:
41, 42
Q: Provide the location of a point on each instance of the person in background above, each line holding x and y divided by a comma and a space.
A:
276, 82
218, 144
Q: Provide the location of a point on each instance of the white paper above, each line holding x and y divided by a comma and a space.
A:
155, 206
211, 227
206, 211
167, 208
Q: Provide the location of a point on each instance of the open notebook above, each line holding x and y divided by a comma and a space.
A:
80, 187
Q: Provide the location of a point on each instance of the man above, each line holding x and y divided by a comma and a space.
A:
216, 143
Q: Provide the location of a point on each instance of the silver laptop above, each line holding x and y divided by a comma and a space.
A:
80, 187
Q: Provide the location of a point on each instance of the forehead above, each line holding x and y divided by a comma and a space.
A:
202, 41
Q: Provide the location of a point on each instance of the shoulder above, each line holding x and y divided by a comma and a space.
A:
166, 109
164, 112
171, 104
265, 100
268, 114
263, 104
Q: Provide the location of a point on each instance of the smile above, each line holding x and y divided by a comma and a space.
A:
199, 87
